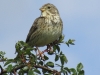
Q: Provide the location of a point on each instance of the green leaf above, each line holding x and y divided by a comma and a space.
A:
73, 71
9, 68
50, 64
56, 58
51, 52
70, 41
67, 44
21, 42
68, 70
17, 46
41, 62
61, 38
31, 72
79, 67
58, 48
37, 71
28, 50
63, 59
45, 57
81, 72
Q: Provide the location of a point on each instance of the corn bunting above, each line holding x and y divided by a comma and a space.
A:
47, 28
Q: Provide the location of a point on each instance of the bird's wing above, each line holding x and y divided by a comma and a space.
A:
34, 27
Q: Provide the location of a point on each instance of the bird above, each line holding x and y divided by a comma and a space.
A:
46, 28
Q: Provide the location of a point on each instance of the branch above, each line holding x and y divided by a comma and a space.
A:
36, 66
48, 69
13, 70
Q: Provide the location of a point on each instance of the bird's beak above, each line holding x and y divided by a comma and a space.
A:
42, 9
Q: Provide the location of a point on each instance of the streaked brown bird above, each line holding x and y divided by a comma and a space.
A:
47, 28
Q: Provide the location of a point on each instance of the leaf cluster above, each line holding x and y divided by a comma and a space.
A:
28, 62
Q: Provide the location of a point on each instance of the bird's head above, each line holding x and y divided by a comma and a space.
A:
48, 10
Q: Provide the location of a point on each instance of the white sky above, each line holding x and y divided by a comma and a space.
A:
81, 19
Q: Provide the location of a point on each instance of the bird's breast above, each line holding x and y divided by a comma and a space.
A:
49, 34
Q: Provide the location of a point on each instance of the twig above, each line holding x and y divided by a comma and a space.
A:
36, 66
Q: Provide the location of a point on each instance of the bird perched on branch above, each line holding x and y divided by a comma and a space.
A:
47, 28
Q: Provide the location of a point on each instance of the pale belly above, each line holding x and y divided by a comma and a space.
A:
48, 36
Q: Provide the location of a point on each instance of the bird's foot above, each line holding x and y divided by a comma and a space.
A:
41, 54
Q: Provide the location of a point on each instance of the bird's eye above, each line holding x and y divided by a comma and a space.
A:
49, 7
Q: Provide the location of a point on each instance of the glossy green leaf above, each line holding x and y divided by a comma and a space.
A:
63, 59
58, 48
67, 44
56, 57
70, 41
61, 38
67, 69
41, 62
37, 71
81, 72
73, 71
79, 67
45, 57
50, 64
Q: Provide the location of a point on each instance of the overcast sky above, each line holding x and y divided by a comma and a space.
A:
81, 21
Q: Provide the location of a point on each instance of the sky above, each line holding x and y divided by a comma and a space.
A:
81, 21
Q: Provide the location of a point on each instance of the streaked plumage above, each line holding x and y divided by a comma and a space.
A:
47, 28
